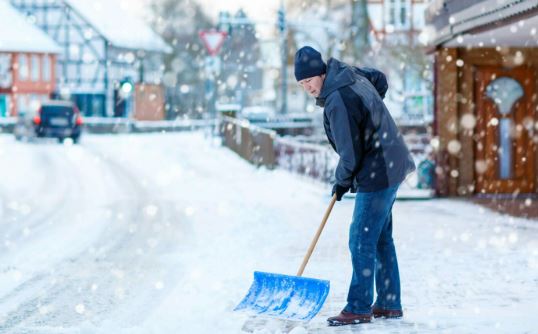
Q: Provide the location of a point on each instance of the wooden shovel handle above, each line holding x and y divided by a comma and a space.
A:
316, 237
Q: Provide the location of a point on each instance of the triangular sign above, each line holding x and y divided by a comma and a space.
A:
213, 40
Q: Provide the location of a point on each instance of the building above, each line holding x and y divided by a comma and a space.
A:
398, 20
486, 71
107, 55
395, 25
27, 63
240, 59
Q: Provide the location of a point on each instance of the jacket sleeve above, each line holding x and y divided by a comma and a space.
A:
376, 77
344, 128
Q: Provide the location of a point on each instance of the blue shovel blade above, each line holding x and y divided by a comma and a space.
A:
283, 296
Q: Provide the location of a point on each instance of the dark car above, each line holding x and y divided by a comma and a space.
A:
54, 119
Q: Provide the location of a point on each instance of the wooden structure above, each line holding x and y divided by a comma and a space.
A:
486, 123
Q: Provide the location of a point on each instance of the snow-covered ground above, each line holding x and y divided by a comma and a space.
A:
161, 234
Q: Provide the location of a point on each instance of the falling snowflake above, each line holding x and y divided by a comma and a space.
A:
151, 210
44, 309
189, 211
468, 121
454, 147
80, 309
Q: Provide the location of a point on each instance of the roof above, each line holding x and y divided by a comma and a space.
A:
118, 26
453, 18
18, 35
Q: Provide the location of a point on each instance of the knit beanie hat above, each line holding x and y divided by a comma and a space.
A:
308, 63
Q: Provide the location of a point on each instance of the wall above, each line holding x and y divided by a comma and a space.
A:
148, 102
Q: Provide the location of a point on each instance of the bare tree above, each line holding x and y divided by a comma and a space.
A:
360, 28
179, 22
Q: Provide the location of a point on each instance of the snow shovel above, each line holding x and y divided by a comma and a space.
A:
288, 297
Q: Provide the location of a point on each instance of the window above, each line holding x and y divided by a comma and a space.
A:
392, 12
505, 92
6, 75
22, 104
403, 16
35, 103
35, 68
23, 67
398, 12
46, 68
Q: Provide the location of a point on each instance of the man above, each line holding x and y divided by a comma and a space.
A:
374, 160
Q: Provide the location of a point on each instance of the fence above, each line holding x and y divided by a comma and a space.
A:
250, 142
315, 161
264, 147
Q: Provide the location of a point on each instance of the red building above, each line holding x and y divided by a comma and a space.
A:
27, 63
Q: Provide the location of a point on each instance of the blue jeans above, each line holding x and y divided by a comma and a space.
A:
373, 253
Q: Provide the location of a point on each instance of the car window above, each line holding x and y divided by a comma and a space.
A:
56, 111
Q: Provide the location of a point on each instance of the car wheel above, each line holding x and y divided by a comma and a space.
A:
61, 140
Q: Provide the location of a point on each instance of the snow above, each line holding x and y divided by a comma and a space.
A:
19, 35
123, 29
161, 233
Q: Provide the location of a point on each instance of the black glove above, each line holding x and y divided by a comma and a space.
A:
339, 191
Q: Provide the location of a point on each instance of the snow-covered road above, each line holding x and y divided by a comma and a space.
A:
161, 234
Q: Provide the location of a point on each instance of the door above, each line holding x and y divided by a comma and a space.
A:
505, 119
3, 106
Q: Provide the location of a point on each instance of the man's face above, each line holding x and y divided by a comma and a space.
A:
313, 85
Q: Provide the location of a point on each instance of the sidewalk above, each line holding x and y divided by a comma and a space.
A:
524, 206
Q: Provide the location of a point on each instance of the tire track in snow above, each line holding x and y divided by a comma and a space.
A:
46, 207
23, 296
113, 247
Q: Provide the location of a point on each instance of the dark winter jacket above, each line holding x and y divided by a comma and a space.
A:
373, 155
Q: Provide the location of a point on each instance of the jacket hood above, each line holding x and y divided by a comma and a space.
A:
339, 75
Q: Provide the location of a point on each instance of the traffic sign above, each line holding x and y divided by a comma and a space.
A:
213, 40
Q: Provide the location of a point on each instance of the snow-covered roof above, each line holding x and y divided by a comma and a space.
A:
19, 35
475, 17
122, 29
